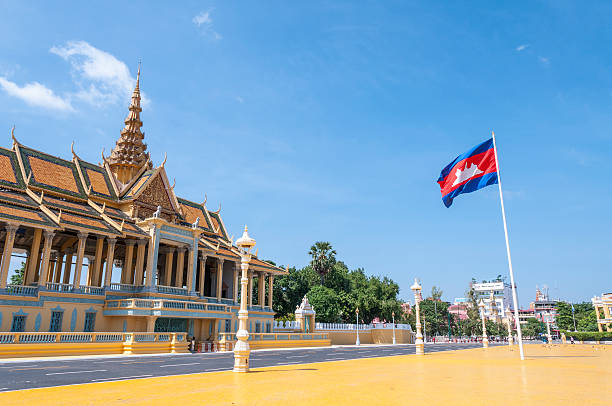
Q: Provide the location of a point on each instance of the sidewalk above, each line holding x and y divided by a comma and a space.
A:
556, 375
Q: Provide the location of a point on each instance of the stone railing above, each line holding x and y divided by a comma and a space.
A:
286, 326
87, 290
171, 290
124, 287
348, 326
104, 337
227, 340
19, 290
159, 304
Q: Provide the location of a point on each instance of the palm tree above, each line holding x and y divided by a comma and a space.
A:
323, 258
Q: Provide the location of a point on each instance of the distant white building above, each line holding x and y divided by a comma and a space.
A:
502, 294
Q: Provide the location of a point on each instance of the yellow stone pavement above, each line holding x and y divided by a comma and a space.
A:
551, 376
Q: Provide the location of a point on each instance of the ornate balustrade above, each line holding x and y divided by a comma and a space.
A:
171, 290
158, 304
286, 326
349, 326
124, 287
62, 287
105, 337
229, 337
19, 290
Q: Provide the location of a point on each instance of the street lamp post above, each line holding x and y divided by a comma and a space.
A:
357, 327
548, 335
393, 318
418, 342
508, 320
485, 339
241, 351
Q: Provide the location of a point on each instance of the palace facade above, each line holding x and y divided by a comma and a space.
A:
110, 247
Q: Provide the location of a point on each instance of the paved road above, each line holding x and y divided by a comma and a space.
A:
45, 373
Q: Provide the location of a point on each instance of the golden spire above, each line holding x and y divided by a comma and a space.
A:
129, 154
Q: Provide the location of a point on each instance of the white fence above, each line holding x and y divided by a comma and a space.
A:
286, 326
280, 326
345, 326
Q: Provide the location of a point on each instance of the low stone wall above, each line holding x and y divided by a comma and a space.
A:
369, 336
259, 341
21, 345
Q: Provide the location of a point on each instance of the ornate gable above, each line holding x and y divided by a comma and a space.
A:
155, 194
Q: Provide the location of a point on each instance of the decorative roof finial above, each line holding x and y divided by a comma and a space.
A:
130, 152
138, 74
13, 135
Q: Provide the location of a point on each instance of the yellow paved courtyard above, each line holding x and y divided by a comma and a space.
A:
555, 375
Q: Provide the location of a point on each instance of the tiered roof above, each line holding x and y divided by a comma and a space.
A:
129, 154
53, 193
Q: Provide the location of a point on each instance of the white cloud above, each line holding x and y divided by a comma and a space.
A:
102, 78
202, 18
205, 24
36, 94
544, 60
522, 47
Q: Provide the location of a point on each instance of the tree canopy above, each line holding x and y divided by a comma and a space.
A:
584, 314
323, 258
334, 291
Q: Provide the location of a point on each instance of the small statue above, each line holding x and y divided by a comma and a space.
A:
196, 223
157, 212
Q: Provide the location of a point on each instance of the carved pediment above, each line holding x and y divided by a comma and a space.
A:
155, 194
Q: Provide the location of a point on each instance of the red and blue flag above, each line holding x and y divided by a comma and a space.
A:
469, 172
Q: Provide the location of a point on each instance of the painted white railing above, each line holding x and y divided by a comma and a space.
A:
349, 326
162, 304
286, 326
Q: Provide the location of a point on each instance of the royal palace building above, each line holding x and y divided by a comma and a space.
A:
110, 247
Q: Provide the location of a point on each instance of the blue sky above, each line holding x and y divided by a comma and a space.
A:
332, 120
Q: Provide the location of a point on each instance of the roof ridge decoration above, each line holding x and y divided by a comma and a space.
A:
11, 176
129, 154
188, 217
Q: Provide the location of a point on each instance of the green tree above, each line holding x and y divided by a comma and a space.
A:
17, 276
323, 258
436, 293
564, 316
435, 315
588, 321
532, 328
291, 288
326, 304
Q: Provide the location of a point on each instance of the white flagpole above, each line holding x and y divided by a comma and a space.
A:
514, 297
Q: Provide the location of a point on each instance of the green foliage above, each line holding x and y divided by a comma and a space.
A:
584, 313
17, 277
436, 293
589, 335
337, 296
325, 302
564, 316
588, 322
323, 258
434, 316
532, 328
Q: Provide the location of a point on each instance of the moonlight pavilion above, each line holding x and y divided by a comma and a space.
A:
110, 247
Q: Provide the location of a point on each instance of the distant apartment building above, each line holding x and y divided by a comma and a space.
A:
502, 297
544, 308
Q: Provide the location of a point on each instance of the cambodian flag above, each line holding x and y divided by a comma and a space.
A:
469, 172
